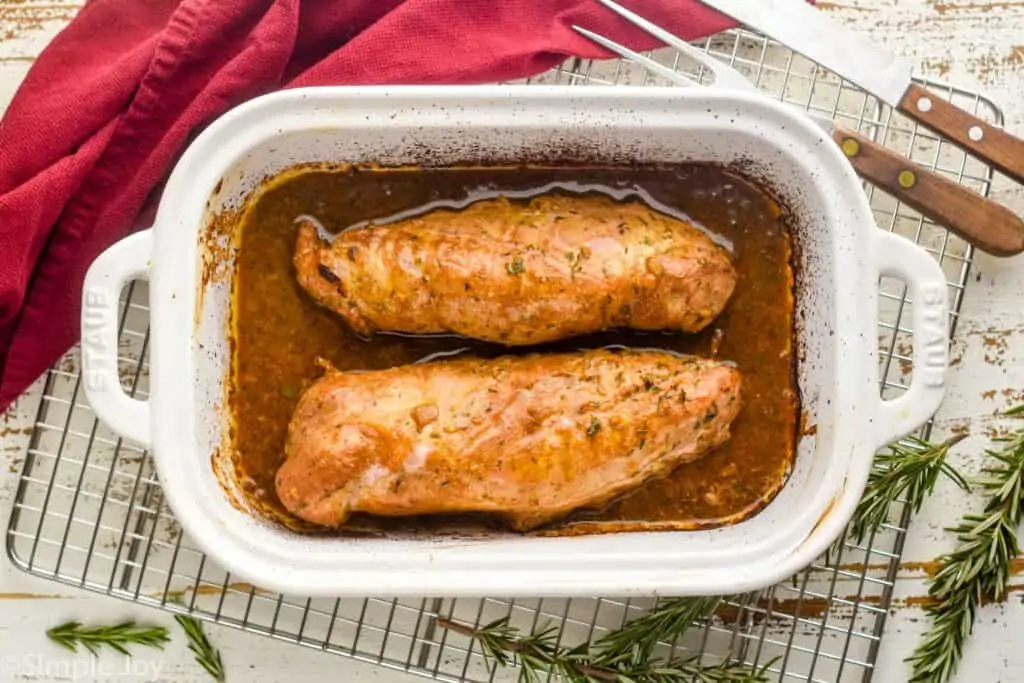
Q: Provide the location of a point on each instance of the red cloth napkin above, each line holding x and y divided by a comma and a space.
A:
98, 122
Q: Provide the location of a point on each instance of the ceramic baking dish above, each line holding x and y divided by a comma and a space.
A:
189, 265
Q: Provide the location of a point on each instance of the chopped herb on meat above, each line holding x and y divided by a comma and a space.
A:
327, 274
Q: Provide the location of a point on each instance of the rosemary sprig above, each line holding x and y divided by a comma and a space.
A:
71, 634
622, 656
979, 568
206, 654
907, 470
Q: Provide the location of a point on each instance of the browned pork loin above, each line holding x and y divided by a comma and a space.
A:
518, 274
527, 439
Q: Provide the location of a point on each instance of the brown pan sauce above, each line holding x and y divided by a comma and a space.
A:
279, 332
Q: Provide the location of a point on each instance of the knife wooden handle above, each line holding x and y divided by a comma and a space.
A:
987, 225
990, 144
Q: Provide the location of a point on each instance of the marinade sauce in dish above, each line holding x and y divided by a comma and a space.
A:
279, 332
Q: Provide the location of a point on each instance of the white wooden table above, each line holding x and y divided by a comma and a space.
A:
972, 43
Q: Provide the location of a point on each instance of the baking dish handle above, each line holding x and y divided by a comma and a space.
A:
121, 263
899, 257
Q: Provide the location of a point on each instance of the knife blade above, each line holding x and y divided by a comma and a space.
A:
809, 31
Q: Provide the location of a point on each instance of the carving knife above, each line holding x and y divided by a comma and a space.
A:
807, 30
981, 221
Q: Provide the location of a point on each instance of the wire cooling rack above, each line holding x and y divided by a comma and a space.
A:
89, 510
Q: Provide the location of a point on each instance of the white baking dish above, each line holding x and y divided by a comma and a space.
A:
841, 250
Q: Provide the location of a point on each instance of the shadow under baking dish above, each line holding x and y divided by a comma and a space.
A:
278, 332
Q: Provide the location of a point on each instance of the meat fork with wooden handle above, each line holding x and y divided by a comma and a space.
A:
984, 223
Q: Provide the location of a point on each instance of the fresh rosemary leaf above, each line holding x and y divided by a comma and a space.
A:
907, 471
668, 620
622, 656
206, 655
979, 567
118, 637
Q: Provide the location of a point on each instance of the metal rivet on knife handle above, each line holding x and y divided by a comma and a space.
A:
990, 144
987, 225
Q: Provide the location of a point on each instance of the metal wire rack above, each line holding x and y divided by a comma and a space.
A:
89, 510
